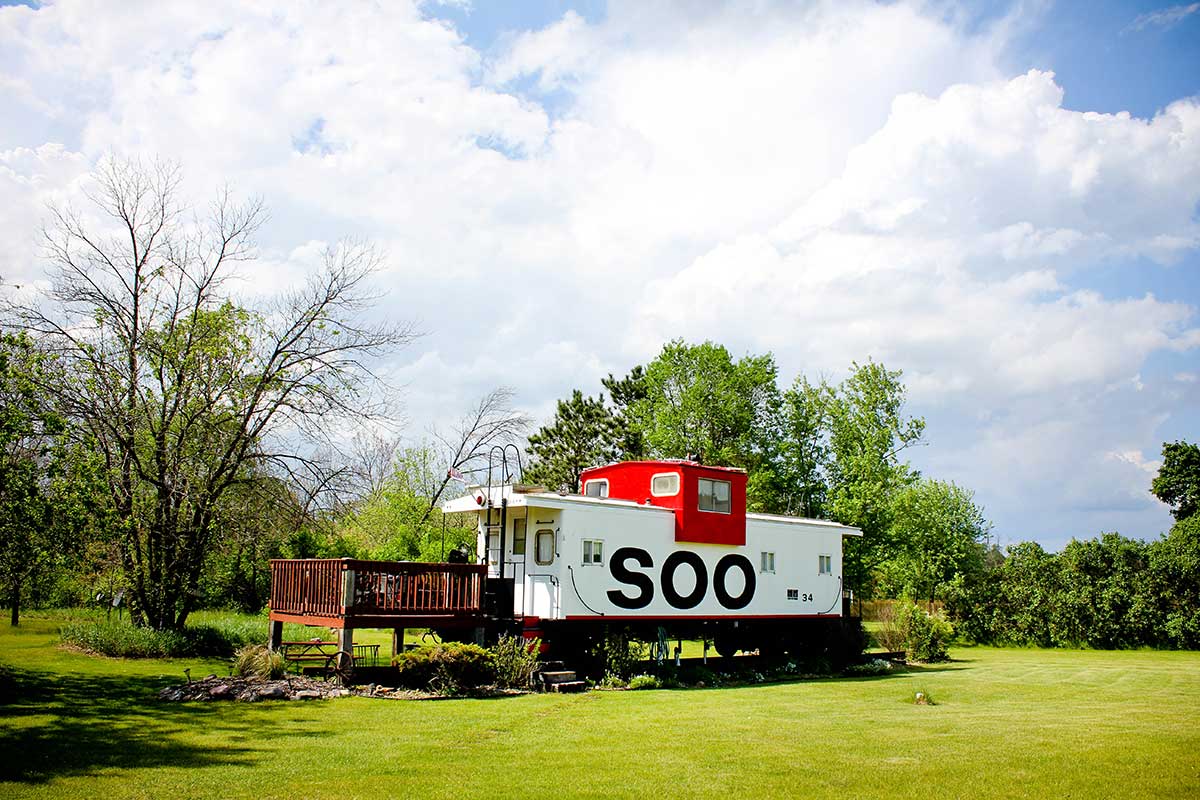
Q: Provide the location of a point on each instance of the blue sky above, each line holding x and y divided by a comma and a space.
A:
1001, 199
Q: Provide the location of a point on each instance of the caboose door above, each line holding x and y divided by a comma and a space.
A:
544, 591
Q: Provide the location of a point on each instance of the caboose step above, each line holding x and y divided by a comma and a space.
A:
562, 676
567, 686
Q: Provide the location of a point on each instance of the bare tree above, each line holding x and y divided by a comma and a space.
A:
184, 392
491, 422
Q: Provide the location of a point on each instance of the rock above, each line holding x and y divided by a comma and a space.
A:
340, 693
211, 677
272, 692
308, 694
220, 691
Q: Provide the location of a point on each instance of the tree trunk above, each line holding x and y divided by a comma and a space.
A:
16, 603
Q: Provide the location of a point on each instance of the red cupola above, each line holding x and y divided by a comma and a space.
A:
709, 502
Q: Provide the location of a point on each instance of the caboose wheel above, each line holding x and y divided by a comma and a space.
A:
339, 667
725, 645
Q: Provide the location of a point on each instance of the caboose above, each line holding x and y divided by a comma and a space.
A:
657, 550
668, 550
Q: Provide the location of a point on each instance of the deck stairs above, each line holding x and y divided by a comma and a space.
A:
552, 676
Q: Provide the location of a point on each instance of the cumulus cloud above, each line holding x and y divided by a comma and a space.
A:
832, 181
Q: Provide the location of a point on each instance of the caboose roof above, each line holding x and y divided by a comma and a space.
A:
524, 499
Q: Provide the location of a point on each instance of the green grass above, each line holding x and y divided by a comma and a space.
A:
1008, 723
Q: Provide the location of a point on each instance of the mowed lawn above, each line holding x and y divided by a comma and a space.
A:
1007, 723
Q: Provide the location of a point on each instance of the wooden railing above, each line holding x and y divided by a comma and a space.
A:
344, 587
387, 587
308, 586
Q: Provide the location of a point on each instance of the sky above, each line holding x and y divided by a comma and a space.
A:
999, 199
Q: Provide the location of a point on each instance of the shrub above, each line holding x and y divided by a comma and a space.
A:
449, 668
622, 653
258, 661
515, 659
927, 636
876, 666
644, 682
612, 681
122, 640
890, 634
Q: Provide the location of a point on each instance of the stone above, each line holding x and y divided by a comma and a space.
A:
273, 692
219, 692
308, 694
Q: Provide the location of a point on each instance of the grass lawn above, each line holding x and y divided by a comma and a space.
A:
1008, 723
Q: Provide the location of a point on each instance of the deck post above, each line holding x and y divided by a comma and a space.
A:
397, 641
276, 637
346, 640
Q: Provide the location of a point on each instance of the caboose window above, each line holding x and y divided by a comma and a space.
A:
519, 536
543, 552
825, 565
714, 496
767, 563
593, 551
665, 485
596, 488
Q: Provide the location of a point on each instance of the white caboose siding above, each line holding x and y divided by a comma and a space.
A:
789, 581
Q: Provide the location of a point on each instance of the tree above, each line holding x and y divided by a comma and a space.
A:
867, 432
467, 448
941, 532
1174, 578
625, 392
699, 403
186, 393
45, 485
804, 453
1178, 481
584, 433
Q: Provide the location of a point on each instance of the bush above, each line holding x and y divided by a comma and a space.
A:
124, 640
612, 681
622, 653
259, 661
926, 636
644, 682
515, 659
448, 668
876, 666
890, 634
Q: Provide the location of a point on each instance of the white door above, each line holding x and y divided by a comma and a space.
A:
544, 591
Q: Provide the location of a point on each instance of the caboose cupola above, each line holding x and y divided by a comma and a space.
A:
709, 502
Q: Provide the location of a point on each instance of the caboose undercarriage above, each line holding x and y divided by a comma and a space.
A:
460, 602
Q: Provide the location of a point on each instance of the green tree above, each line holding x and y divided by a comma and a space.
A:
1178, 481
625, 392
804, 451
701, 403
185, 393
46, 486
584, 433
1174, 584
941, 535
395, 522
868, 430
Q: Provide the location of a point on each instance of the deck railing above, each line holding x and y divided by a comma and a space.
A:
345, 587
308, 586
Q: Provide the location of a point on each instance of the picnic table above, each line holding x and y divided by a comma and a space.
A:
335, 663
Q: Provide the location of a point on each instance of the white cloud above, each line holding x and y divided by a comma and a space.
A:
1163, 18
832, 182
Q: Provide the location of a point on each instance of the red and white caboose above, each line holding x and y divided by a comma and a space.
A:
665, 548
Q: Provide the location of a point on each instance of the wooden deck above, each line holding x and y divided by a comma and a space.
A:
350, 593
